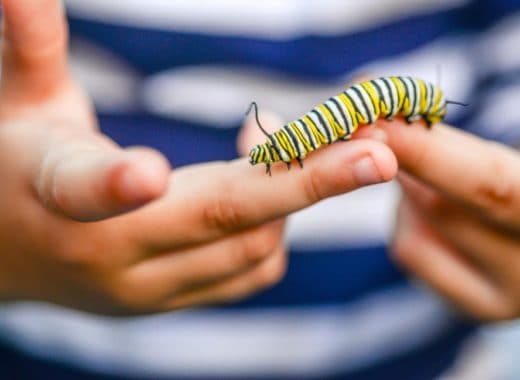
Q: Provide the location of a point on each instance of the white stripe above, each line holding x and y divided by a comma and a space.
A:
395, 96
417, 96
318, 124
111, 82
326, 122
297, 341
229, 90
450, 55
414, 106
431, 93
410, 91
361, 218
268, 18
492, 353
498, 49
337, 114
348, 116
359, 104
384, 91
284, 154
498, 118
368, 102
301, 149
308, 135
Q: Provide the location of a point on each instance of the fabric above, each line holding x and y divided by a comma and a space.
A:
178, 76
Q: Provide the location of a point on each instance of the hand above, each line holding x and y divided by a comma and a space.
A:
458, 227
89, 225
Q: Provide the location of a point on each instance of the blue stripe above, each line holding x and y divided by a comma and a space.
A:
182, 143
425, 363
312, 56
331, 276
481, 14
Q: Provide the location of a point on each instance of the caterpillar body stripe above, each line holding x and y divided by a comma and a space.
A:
340, 116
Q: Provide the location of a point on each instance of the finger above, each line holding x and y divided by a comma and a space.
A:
480, 174
266, 274
420, 251
197, 266
493, 251
34, 61
91, 179
216, 199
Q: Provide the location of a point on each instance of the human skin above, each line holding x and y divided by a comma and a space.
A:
89, 225
458, 224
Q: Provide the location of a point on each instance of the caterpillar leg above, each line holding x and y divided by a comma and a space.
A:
268, 169
428, 122
413, 118
288, 165
300, 162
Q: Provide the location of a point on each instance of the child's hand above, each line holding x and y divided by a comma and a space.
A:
202, 234
459, 220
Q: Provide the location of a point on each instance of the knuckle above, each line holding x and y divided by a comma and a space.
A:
128, 294
312, 186
223, 213
81, 257
266, 240
256, 245
496, 195
273, 271
92, 254
435, 203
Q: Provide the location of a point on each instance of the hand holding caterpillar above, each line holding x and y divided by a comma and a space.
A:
340, 116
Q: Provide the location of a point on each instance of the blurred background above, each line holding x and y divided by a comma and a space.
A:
178, 75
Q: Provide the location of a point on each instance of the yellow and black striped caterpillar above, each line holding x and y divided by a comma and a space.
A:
340, 116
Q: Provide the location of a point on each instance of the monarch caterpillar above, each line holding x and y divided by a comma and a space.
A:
340, 116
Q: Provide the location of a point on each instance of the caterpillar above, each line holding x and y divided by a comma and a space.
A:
340, 116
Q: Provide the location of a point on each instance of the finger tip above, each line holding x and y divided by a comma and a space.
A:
381, 155
141, 178
385, 161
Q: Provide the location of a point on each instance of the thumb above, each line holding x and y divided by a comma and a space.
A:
34, 60
93, 181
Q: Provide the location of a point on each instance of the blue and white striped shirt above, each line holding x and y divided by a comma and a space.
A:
178, 76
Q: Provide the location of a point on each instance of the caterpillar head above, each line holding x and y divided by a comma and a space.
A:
259, 154
262, 154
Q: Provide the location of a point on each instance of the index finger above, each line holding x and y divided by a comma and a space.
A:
34, 61
208, 201
481, 174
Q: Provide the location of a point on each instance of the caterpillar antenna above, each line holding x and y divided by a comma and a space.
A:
457, 103
253, 104
438, 74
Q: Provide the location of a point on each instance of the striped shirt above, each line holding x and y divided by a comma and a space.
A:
178, 76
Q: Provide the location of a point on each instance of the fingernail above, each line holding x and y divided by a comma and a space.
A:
365, 171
